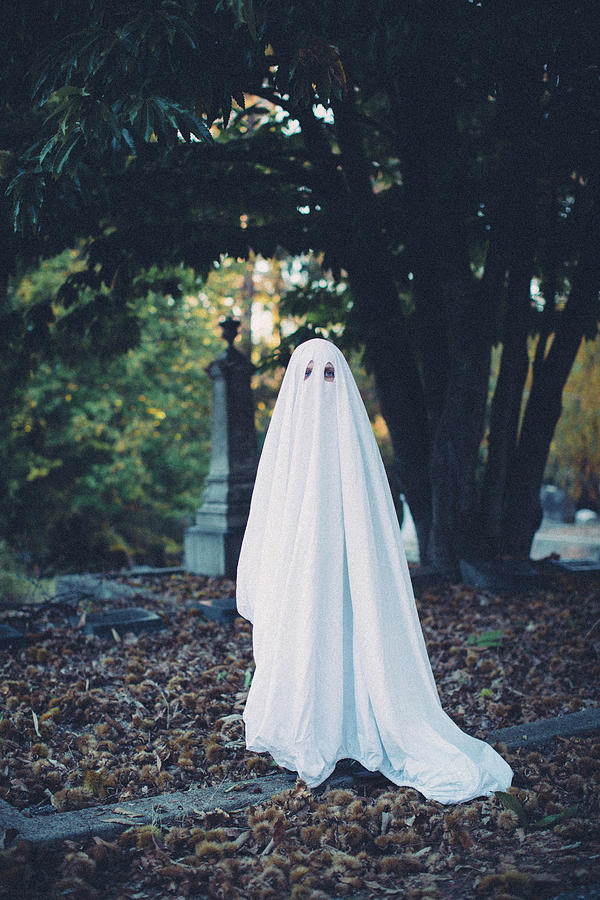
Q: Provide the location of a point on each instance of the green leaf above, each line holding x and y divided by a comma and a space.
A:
185, 30
134, 111
16, 215
149, 131
250, 17
58, 169
47, 148
128, 139
509, 801
67, 91
226, 110
549, 821
486, 639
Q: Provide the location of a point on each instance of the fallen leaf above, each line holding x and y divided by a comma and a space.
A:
509, 801
241, 840
127, 812
234, 717
270, 846
116, 820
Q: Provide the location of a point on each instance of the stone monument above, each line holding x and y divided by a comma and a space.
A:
553, 503
212, 545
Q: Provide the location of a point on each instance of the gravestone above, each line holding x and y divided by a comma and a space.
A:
553, 504
10, 637
212, 545
219, 609
119, 620
586, 517
589, 568
510, 575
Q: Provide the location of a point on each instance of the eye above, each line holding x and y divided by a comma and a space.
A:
329, 372
309, 369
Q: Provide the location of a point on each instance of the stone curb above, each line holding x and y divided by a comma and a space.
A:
543, 731
112, 819
10, 818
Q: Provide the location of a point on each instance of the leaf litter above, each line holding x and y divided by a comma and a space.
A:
88, 720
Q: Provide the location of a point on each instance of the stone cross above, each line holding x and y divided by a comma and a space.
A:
212, 545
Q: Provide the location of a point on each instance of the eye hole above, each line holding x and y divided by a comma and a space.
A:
329, 372
309, 369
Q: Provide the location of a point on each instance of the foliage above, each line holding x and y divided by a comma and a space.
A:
12, 585
107, 457
17, 586
509, 801
574, 459
90, 65
487, 639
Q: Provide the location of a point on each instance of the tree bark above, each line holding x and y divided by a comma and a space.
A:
506, 404
522, 514
246, 300
430, 313
453, 316
389, 355
513, 217
384, 331
9, 381
454, 455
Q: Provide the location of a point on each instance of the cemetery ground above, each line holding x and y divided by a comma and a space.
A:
93, 720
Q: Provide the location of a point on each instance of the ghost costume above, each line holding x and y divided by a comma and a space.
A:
342, 670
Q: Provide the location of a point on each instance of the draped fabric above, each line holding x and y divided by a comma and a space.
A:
342, 670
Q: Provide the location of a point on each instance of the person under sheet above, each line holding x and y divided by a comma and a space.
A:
342, 670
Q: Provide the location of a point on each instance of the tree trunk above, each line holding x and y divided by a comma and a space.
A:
523, 513
384, 332
506, 404
454, 455
246, 300
6, 351
430, 314
389, 354
454, 325
453, 318
513, 236
438, 475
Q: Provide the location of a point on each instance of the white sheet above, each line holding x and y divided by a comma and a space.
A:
341, 665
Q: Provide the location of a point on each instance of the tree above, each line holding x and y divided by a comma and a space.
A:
105, 459
458, 160
574, 459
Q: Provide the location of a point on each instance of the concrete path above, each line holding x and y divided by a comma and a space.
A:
570, 540
169, 809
